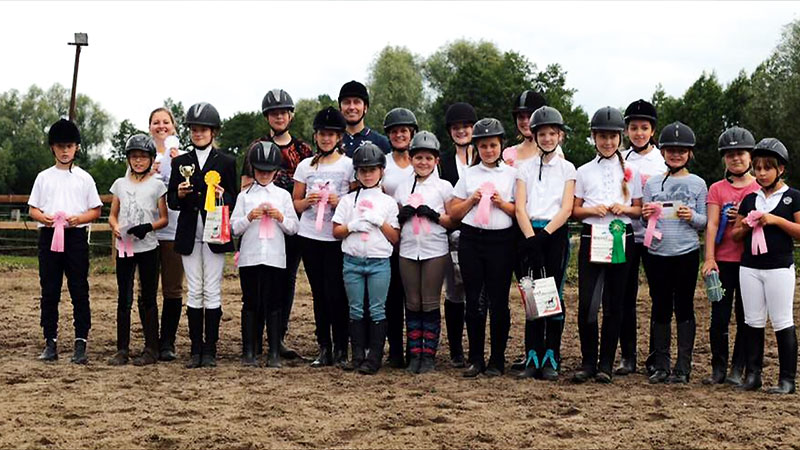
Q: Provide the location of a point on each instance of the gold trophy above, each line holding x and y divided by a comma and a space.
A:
187, 172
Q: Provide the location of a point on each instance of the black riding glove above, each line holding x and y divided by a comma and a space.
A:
406, 212
141, 230
428, 213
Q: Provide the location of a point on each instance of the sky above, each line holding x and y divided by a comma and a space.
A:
231, 53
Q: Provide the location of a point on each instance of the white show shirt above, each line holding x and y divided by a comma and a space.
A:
435, 193
253, 250
599, 182
393, 175
337, 176
647, 165
766, 204
376, 245
544, 196
73, 192
504, 178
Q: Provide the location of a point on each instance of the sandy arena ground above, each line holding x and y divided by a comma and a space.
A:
166, 406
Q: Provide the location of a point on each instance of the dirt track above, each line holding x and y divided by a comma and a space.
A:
167, 406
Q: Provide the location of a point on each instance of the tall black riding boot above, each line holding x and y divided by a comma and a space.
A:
454, 320
377, 339
170, 318
123, 338
150, 328
195, 318
248, 338
212, 318
358, 333
754, 349
683, 363
787, 354
658, 362
718, 338
274, 331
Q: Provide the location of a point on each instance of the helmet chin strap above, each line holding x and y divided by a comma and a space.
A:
197, 147
638, 149
351, 123
672, 171
773, 184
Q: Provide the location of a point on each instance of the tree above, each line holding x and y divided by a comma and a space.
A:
179, 113
118, 140
304, 111
25, 119
395, 80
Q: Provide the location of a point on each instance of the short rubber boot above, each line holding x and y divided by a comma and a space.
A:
735, 376
603, 377
195, 319
787, 355
170, 318
717, 376
532, 366
549, 366
414, 340
120, 358
274, 338
212, 318
683, 363
454, 321
248, 338
754, 349
377, 339
358, 337
324, 359
583, 375
151, 345
626, 366
79, 352
431, 331
50, 352
340, 355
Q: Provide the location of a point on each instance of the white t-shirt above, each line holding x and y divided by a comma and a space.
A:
504, 178
72, 192
435, 193
648, 165
544, 196
138, 204
393, 175
376, 245
253, 250
599, 182
338, 176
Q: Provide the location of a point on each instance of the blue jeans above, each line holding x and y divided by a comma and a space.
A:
372, 274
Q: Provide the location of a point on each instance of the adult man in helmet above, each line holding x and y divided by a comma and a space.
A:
354, 104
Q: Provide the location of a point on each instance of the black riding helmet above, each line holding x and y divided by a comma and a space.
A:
772, 147
643, 110
203, 114
265, 156
329, 118
62, 132
527, 101
460, 113
424, 140
276, 99
369, 155
677, 134
735, 138
608, 119
141, 142
400, 116
354, 89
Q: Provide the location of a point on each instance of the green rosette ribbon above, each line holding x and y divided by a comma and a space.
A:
617, 229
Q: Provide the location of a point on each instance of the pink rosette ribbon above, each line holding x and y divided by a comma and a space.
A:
59, 222
418, 223
758, 243
510, 156
266, 229
236, 258
125, 243
651, 231
485, 205
364, 205
322, 205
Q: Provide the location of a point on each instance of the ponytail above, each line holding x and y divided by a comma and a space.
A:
625, 192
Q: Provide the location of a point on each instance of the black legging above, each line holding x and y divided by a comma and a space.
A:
628, 328
672, 281
600, 283
322, 261
721, 317
487, 262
